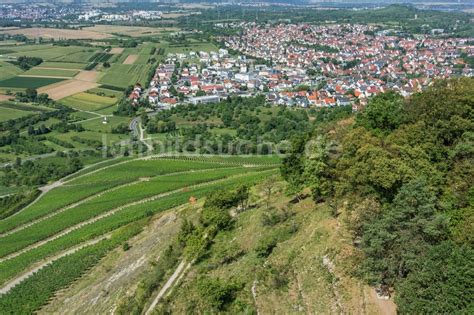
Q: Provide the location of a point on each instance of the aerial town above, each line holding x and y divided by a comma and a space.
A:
307, 65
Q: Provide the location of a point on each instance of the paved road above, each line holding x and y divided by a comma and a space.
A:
138, 132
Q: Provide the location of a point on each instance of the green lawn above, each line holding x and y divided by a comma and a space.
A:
98, 125
106, 92
89, 102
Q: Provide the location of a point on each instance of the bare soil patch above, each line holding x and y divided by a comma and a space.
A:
5, 97
130, 59
116, 50
88, 76
67, 88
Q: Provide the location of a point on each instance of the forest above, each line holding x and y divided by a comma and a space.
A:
399, 176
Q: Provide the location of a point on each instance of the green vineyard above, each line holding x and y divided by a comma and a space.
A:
90, 213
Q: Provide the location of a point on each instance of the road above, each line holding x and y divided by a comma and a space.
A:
139, 133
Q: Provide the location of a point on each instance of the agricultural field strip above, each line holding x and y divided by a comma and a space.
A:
84, 172
218, 159
97, 195
37, 235
11, 284
91, 187
13, 267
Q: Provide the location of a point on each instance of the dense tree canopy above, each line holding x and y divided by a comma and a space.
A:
401, 177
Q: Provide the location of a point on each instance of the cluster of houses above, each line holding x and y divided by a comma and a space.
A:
136, 94
305, 65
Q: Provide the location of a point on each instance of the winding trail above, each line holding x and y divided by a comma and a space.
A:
142, 138
254, 295
175, 277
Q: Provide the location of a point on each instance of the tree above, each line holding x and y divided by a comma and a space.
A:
316, 169
217, 218
242, 196
382, 114
217, 294
200, 93
441, 282
394, 240
268, 187
43, 98
31, 94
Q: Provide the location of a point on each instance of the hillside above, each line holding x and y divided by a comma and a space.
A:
399, 178
279, 258
374, 203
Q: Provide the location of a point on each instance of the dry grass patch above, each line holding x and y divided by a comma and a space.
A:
55, 33
67, 88
116, 50
134, 31
130, 60
88, 76
5, 97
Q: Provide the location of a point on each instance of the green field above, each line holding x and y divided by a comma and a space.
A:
89, 102
9, 113
37, 71
63, 65
108, 197
106, 92
54, 53
121, 75
7, 70
28, 82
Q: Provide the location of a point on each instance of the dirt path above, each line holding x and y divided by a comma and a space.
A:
142, 132
177, 274
385, 307
14, 282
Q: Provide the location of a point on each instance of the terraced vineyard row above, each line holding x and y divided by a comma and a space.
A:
85, 186
105, 202
111, 196
38, 288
